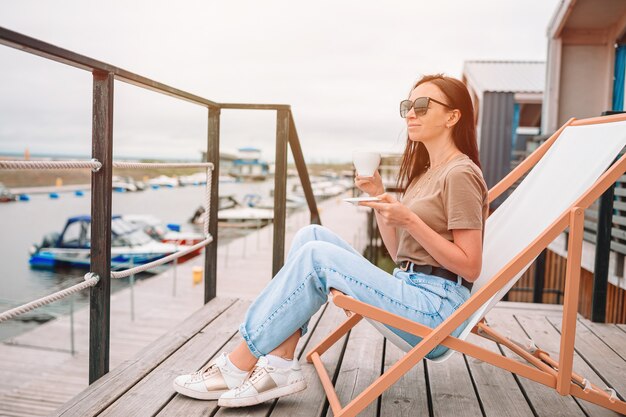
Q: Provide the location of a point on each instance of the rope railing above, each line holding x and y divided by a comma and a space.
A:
94, 165
157, 165
91, 279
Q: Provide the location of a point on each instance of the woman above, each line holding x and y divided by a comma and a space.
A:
434, 233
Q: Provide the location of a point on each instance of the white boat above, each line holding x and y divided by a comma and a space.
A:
245, 217
158, 230
237, 215
72, 247
122, 187
163, 181
198, 178
322, 189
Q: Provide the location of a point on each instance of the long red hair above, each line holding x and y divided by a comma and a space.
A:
415, 159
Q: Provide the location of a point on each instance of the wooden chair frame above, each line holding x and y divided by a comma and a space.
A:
541, 368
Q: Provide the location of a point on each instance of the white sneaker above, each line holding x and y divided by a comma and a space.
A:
265, 383
211, 381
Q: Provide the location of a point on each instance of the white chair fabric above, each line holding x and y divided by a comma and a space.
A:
579, 156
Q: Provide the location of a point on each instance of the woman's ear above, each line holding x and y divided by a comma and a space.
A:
453, 118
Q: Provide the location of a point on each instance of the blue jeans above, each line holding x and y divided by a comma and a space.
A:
319, 260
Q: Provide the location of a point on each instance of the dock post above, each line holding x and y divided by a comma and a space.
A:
100, 294
213, 156
280, 189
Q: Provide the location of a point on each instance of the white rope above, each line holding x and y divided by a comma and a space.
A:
93, 164
91, 279
208, 165
128, 272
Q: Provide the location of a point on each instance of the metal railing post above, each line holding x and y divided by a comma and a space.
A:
213, 155
540, 277
174, 268
303, 173
280, 189
131, 280
603, 251
100, 294
72, 342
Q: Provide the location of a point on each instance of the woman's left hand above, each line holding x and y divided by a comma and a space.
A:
393, 213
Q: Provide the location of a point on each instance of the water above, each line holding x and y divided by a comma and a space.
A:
23, 224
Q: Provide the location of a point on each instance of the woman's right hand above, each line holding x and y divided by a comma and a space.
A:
370, 185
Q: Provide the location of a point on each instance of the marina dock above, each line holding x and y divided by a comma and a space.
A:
32, 364
176, 334
461, 386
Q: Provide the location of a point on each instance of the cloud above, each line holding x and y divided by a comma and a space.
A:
342, 66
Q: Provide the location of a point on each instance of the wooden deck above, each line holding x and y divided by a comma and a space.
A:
461, 386
32, 363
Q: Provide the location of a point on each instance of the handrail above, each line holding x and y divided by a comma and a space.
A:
104, 75
46, 50
91, 278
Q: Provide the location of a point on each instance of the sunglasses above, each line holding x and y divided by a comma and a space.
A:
420, 105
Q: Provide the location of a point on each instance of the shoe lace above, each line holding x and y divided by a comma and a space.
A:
251, 374
196, 376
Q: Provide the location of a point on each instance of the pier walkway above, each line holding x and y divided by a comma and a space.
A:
38, 373
460, 386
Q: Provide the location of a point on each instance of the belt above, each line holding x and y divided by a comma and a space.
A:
434, 270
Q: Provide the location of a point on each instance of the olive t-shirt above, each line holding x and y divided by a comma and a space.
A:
450, 196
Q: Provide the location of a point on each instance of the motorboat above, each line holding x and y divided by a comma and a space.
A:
245, 217
292, 202
130, 245
122, 187
237, 215
322, 188
199, 178
163, 181
6, 195
127, 184
167, 233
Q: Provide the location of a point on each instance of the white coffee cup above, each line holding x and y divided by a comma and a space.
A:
365, 162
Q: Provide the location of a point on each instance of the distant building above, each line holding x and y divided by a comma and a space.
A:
245, 164
586, 61
507, 97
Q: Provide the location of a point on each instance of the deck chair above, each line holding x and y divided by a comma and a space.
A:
569, 172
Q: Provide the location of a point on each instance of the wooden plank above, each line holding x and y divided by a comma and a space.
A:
498, 390
544, 400
600, 357
409, 396
548, 339
451, 388
103, 392
507, 307
155, 390
361, 365
184, 406
610, 334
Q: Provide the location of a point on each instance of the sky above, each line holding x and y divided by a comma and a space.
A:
343, 66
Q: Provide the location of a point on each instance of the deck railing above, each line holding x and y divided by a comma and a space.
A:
104, 77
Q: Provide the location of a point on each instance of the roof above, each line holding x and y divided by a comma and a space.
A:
505, 76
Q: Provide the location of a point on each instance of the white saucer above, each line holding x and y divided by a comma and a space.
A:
356, 200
